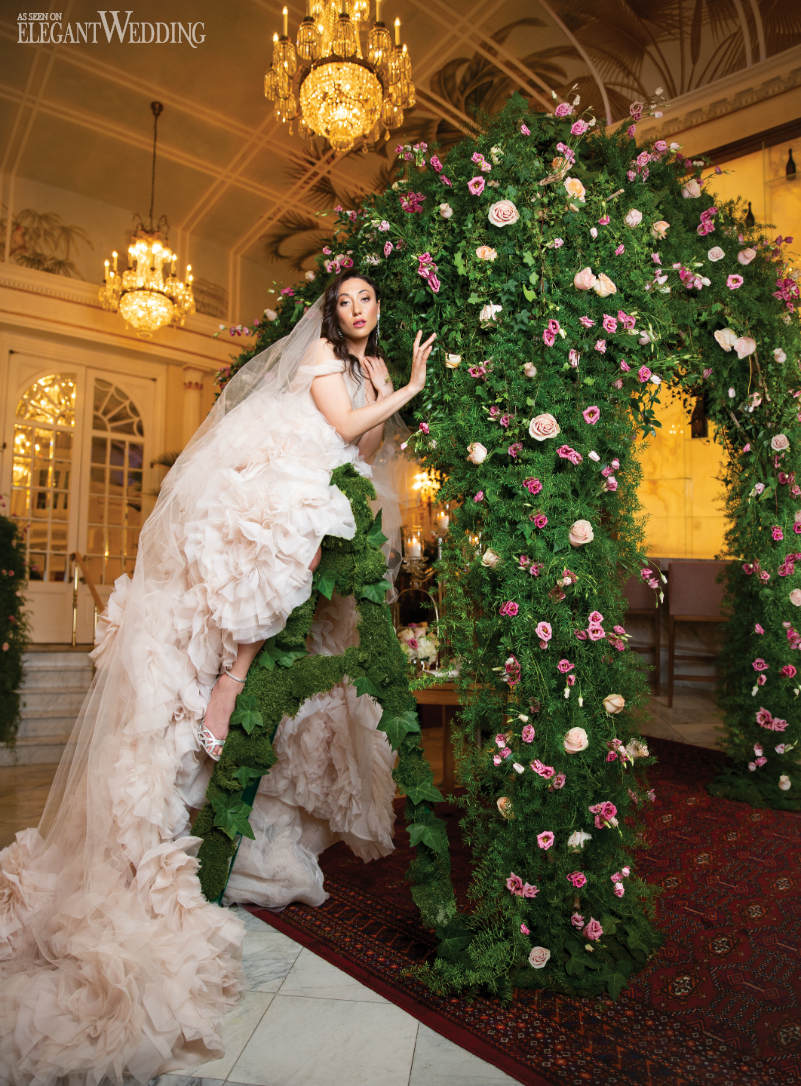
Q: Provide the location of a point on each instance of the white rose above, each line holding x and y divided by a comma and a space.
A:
539, 956
311, 276
780, 442
635, 748
725, 338
543, 427
270, 314
575, 741
795, 597
496, 154
580, 533
476, 452
503, 213
489, 558
691, 191
785, 783
715, 254
578, 839
453, 361
530, 370
489, 312
614, 703
633, 217
445, 211
744, 346
779, 356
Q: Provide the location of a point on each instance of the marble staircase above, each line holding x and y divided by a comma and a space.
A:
54, 683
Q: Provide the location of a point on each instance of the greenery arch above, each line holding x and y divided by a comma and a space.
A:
570, 274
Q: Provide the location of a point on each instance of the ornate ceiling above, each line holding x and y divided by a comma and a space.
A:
239, 189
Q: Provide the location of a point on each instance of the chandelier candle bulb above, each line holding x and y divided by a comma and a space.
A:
285, 13
397, 31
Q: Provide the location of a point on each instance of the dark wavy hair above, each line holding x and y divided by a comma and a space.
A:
332, 331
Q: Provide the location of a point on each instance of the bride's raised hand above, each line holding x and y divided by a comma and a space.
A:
420, 352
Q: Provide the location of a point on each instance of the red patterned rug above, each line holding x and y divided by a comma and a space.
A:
720, 1003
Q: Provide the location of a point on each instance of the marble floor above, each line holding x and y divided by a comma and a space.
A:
301, 1021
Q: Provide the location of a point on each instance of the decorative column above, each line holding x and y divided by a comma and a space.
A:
193, 388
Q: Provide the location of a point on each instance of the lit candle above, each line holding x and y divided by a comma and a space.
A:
172, 265
397, 31
114, 257
105, 274
444, 520
414, 550
286, 21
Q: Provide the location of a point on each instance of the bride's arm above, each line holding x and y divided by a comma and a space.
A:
331, 397
378, 386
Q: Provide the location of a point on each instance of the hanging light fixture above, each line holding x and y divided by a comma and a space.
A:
146, 294
348, 94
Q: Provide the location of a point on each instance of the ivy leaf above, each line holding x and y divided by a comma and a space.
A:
375, 536
432, 836
245, 774
529, 294
427, 792
528, 258
458, 262
326, 583
376, 592
231, 815
287, 657
247, 714
575, 965
398, 726
265, 661
365, 685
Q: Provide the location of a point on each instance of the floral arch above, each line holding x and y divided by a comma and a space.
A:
571, 274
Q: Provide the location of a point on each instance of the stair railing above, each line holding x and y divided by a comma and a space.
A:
79, 566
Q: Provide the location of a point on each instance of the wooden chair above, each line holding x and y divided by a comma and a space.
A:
696, 596
643, 602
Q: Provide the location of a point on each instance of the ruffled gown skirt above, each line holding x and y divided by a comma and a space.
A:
111, 960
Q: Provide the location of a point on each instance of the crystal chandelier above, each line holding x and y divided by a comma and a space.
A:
147, 295
336, 89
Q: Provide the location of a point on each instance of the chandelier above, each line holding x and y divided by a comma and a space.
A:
334, 87
147, 295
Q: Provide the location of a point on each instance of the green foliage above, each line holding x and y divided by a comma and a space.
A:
13, 627
534, 609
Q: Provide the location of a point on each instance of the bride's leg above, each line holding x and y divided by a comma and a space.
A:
225, 690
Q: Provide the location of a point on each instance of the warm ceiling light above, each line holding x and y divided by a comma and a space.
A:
340, 91
148, 294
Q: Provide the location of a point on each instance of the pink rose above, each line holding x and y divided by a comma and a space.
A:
734, 282
564, 109
575, 741
745, 256
529, 890
528, 733
545, 839
592, 930
580, 533
780, 442
577, 920
691, 190
514, 884
559, 781
591, 414
543, 631
476, 185
532, 485
584, 279
795, 597
503, 213
715, 254
538, 957
543, 427
577, 879
633, 217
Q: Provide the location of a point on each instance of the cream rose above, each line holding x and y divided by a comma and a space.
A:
715, 254
503, 213
785, 783
504, 805
633, 217
744, 346
578, 839
780, 442
660, 228
486, 252
575, 741
584, 279
614, 703
725, 338
530, 370
692, 190
795, 597
490, 311
574, 188
445, 211
476, 452
539, 957
271, 314
604, 286
543, 426
453, 361
745, 256
490, 559
635, 748
580, 533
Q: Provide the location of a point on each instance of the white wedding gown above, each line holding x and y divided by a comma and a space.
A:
112, 961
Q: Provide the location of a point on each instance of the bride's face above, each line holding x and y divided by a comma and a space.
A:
357, 309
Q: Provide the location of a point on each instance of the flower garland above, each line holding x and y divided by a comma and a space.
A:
13, 627
570, 274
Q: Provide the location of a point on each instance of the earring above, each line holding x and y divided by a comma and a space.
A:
340, 333
378, 326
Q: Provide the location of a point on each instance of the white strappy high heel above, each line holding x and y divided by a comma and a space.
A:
209, 741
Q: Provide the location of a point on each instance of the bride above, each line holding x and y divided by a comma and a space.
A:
112, 962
